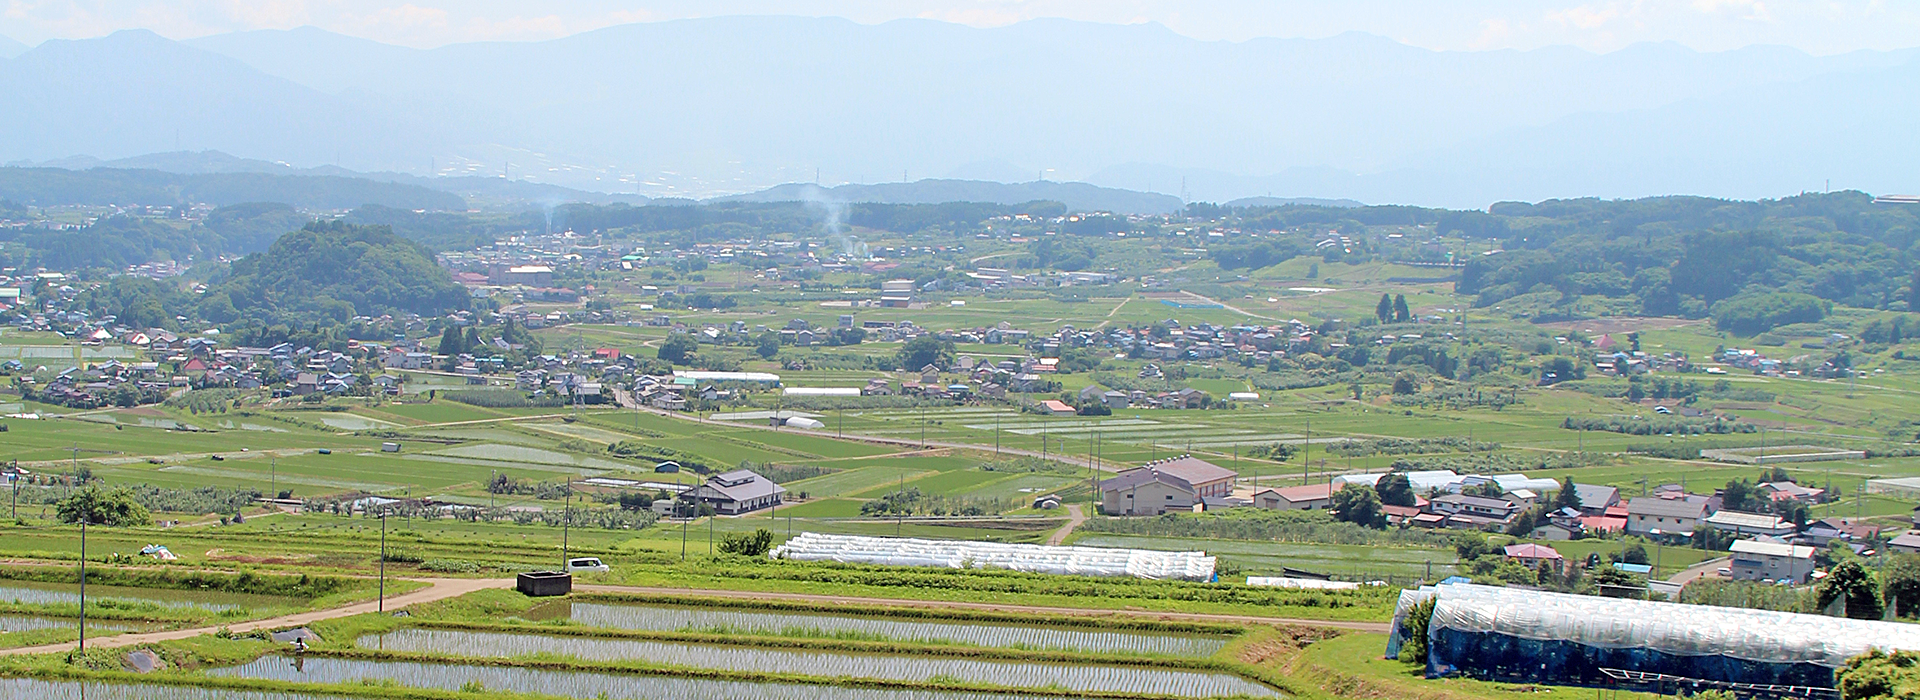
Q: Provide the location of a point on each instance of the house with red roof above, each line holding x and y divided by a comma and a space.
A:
1535, 556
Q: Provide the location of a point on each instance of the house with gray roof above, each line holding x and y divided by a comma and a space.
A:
738, 491
1677, 516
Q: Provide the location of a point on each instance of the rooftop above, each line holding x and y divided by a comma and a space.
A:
1772, 549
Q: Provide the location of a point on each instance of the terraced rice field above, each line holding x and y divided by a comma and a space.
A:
1086, 678
29, 689
345, 421
36, 593
29, 623
578, 684
668, 618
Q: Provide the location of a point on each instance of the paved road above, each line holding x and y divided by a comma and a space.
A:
1074, 518
1704, 568
437, 589
994, 607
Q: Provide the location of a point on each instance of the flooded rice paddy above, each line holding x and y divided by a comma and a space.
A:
707, 620
1014, 674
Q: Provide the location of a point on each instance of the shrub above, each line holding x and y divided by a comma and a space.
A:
753, 544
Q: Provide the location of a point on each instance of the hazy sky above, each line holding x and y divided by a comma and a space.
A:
1816, 26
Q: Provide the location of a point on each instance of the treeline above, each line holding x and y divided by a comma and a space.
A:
1659, 425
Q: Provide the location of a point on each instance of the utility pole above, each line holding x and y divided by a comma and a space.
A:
683, 534
84, 517
996, 437
383, 559
566, 524
273, 473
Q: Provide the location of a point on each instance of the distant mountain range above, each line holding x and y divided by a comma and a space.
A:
484, 192
118, 186
723, 106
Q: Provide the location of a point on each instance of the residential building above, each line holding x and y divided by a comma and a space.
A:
1750, 524
1309, 497
1671, 516
1594, 500
1535, 556
1056, 407
1473, 512
1165, 485
1907, 542
738, 491
1789, 491
1819, 532
1755, 560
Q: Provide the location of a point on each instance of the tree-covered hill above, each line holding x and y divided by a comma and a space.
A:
1683, 255
332, 270
1767, 262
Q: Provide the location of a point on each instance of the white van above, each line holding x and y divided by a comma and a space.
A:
586, 564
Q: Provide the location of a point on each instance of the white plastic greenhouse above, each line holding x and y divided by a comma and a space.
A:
1559, 637
956, 554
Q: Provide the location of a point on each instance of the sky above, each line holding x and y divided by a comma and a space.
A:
1815, 26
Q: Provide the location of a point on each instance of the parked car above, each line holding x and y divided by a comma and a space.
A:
586, 564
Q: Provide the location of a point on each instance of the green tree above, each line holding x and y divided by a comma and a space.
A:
1418, 621
1400, 311
1850, 581
1878, 675
451, 342
1384, 310
1739, 496
925, 350
1357, 504
1406, 383
767, 345
1567, 497
678, 348
116, 508
1526, 521
1395, 490
1468, 546
1634, 553
1900, 581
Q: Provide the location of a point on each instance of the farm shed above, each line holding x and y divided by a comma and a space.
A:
957, 554
1518, 635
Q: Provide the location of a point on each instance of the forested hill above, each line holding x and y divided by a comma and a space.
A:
1682, 255
332, 270
1659, 256
43, 187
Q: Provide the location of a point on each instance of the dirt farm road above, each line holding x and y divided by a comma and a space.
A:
437, 589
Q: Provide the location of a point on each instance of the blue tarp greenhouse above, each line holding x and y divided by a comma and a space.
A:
1520, 635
